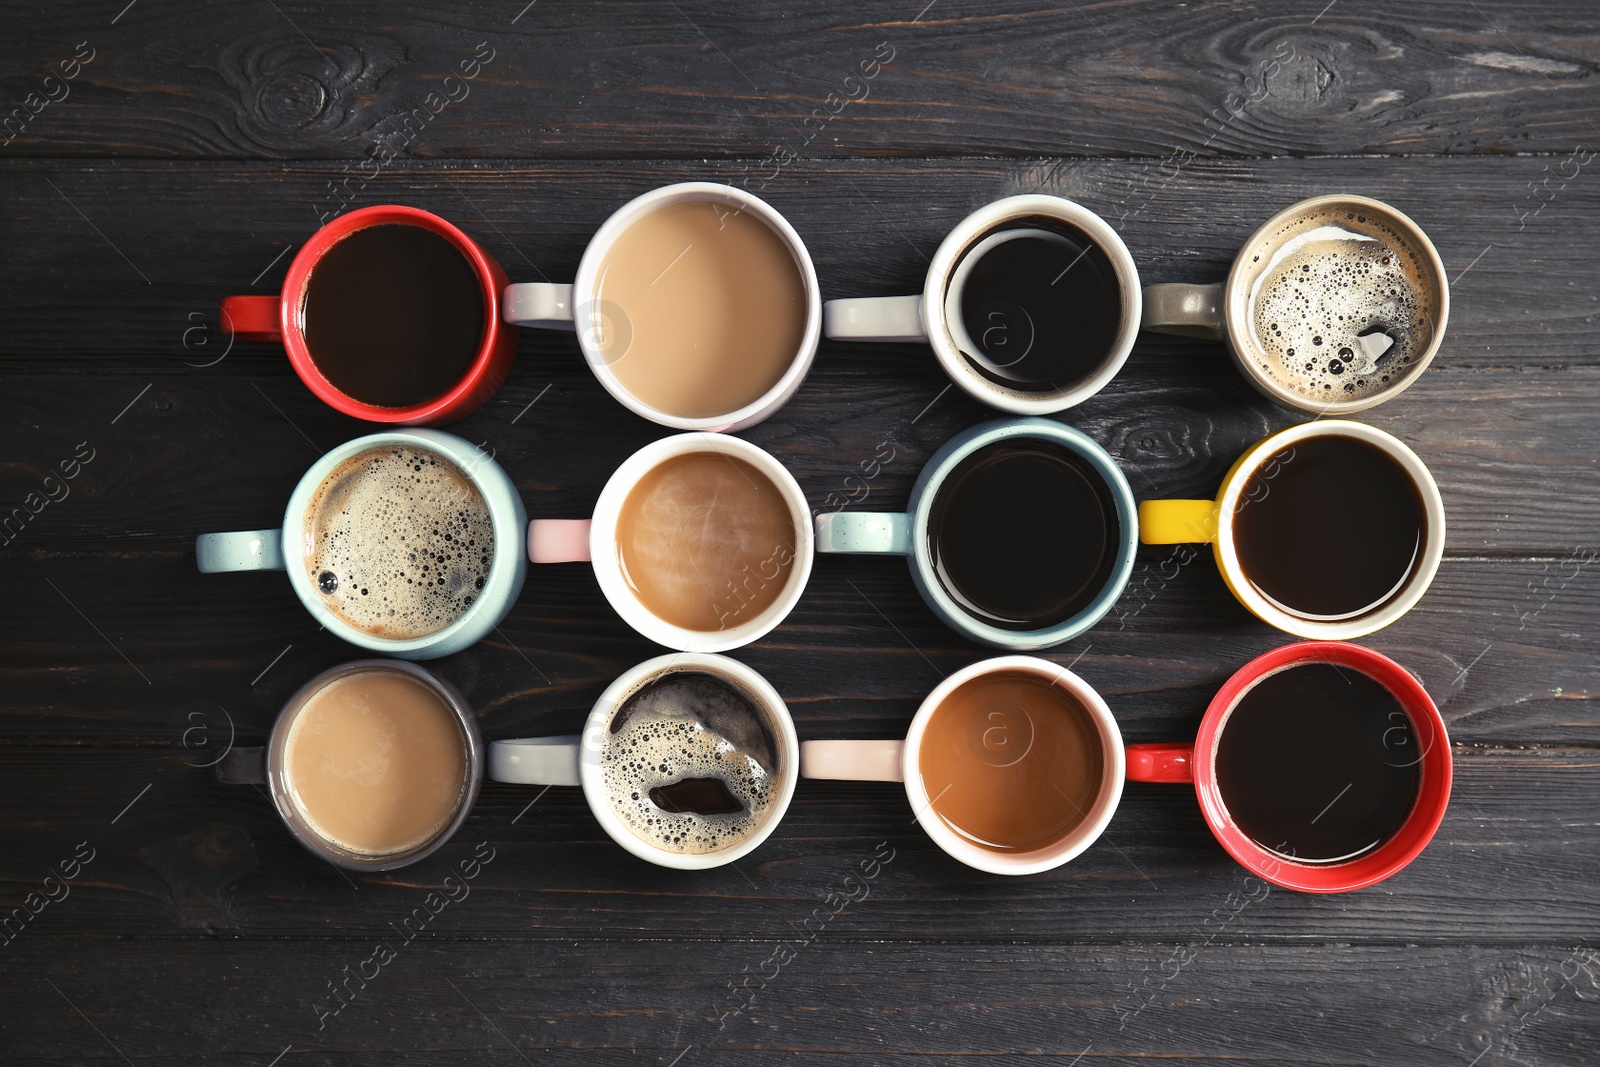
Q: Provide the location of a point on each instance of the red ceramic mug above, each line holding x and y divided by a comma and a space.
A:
280, 318
1197, 763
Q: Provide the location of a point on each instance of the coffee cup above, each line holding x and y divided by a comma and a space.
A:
701, 542
389, 314
357, 518
1330, 529
1333, 305
1013, 765
687, 760
1320, 766
696, 305
372, 765
1031, 305
1020, 533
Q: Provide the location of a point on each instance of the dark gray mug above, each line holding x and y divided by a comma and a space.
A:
265, 766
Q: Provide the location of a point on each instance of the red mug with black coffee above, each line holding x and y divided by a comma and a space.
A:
389, 314
1321, 766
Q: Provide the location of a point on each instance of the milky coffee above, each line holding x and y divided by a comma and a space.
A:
691, 763
1341, 304
706, 541
375, 762
398, 542
704, 309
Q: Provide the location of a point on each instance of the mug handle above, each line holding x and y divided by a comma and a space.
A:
1185, 310
853, 761
1172, 764
252, 318
542, 305
874, 318
558, 540
863, 532
243, 766
246, 550
1177, 522
536, 760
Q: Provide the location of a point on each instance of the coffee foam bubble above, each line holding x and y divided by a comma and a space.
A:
688, 724
399, 542
1341, 305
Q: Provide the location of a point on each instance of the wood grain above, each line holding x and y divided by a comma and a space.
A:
299, 80
193, 858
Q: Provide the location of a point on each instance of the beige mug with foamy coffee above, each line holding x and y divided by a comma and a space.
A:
1334, 305
372, 765
696, 305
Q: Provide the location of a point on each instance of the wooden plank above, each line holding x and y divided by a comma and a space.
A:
303, 80
114, 651
177, 854
122, 263
446, 1002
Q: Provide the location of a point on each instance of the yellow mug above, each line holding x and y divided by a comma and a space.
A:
1320, 533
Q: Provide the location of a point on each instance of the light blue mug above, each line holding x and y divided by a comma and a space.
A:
286, 547
908, 533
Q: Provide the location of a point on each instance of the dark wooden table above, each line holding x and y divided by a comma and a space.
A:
159, 156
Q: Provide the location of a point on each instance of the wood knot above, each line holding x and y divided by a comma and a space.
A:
290, 100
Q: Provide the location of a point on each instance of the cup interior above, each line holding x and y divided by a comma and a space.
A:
1422, 742
1336, 303
935, 501
1032, 304
302, 271
507, 565
286, 795
603, 788
733, 608
607, 335
1242, 488
1003, 746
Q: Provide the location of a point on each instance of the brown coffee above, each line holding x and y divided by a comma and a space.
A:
706, 541
376, 762
702, 309
398, 542
1011, 761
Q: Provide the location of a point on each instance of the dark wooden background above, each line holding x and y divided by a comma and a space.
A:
197, 148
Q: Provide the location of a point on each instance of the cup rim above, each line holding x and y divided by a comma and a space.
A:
592, 778
277, 788
958, 448
291, 311
1422, 575
594, 254
977, 227
1070, 846
608, 571
1235, 301
1433, 794
506, 570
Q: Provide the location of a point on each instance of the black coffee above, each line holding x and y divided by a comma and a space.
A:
393, 315
1329, 528
1043, 310
1024, 534
691, 763
1319, 763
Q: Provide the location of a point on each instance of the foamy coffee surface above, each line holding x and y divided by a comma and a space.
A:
399, 542
1340, 305
689, 725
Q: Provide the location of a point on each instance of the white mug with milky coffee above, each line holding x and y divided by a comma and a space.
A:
702, 542
696, 305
